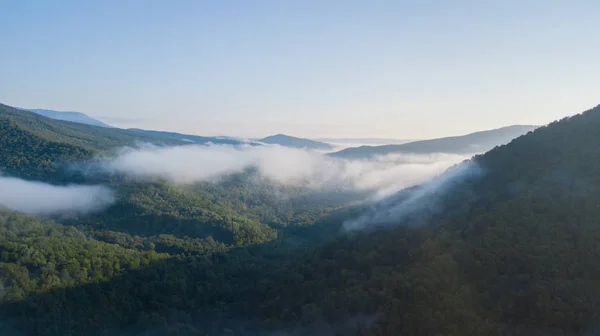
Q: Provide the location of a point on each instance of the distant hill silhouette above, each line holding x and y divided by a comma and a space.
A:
478, 142
289, 141
77, 117
366, 141
191, 138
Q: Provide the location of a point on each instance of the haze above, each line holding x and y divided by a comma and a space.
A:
394, 69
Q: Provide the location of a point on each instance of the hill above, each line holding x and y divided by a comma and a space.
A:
478, 142
77, 117
143, 135
85, 136
39, 148
512, 250
365, 141
503, 244
190, 138
34, 146
289, 141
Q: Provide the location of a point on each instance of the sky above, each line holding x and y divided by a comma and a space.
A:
312, 68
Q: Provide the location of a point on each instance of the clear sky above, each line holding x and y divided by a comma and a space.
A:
320, 68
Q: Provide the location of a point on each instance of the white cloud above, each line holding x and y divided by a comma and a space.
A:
421, 199
299, 167
45, 199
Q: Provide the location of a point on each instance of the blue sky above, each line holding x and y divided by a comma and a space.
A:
402, 69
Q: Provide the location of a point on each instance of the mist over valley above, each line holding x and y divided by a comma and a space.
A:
299, 168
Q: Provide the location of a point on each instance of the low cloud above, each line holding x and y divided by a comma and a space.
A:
297, 167
422, 199
45, 199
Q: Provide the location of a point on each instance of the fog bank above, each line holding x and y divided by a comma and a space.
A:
44, 199
297, 167
420, 200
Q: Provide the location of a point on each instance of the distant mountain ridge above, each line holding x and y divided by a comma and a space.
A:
81, 118
74, 133
367, 141
477, 142
197, 139
293, 142
77, 117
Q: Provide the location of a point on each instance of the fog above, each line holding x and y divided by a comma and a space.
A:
45, 199
296, 167
423, 199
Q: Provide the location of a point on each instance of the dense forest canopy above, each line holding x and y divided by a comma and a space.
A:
512, 250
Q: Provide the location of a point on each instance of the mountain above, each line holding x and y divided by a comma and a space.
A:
506, 243
39, 148
86, 136
289, 141
512, 249
81, 118
151, 222
365, 141
478, 142
33, 146
191, 138
77, 117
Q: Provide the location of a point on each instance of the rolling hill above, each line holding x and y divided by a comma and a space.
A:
77, 117
85, 136
190, 138
143, 135
365, 141
478, 142
509, 250
34, 146
289, 141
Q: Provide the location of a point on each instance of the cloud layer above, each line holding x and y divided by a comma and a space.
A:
195, 163
422, 199
45, 199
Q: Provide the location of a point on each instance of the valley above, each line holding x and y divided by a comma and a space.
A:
248, 251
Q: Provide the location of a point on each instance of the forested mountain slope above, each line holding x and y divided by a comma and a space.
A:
86, 136
520, 259
152, 224
27, 155
205, 215
511, 250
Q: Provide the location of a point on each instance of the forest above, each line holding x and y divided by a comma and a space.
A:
511, 251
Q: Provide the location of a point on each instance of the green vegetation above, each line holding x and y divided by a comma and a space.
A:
28, 156
512, 252
522, 259
81, 135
